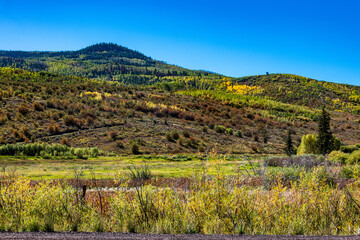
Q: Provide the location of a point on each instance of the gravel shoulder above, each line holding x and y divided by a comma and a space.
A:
73, 235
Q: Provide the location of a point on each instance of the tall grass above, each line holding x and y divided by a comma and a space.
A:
215, 204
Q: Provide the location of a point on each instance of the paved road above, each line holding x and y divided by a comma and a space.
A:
128, 236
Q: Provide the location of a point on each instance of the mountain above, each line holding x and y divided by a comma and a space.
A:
101, 61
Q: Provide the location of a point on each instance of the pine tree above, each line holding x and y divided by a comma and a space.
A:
289, 149
325, 139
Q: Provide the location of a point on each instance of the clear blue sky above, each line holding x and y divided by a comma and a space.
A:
317, 38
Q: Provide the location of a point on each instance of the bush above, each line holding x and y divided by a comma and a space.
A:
53, 128
204, 129
350, 171
3, 119
238, 133
23, 108
38, 106
354, 157
135, 148
230, 131
70, 120
175, 135
64, 141
348, 148
119, 144
113, 135
338, 157
307, 161
219, 129
186, 134
169, 137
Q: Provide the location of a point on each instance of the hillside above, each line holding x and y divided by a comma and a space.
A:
288, 88
41, 106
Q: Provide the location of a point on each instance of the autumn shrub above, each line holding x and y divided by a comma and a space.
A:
70, 120
89, 120
187, 116
113, 135
23, 108
25, 131
38, 106
53, 128
15, 133
64, 141
3, 118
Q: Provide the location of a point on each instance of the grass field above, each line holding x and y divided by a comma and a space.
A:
180, 165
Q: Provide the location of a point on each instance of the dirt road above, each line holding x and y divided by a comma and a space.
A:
128, 236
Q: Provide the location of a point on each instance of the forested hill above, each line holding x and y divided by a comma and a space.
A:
106, 61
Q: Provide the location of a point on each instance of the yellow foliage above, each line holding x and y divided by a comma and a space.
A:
243, 89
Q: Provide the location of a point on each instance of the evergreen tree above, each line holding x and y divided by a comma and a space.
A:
289, 149
325, 139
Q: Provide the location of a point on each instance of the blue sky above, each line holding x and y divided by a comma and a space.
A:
318, 39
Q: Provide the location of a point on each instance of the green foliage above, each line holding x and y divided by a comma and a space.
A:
238, 134
354, 157
349, 148
308, 145
139, 173
338, 157
289, 149
105, 61
187, 134
325, 139
135, 148
219, 129
47, 150
230, 131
